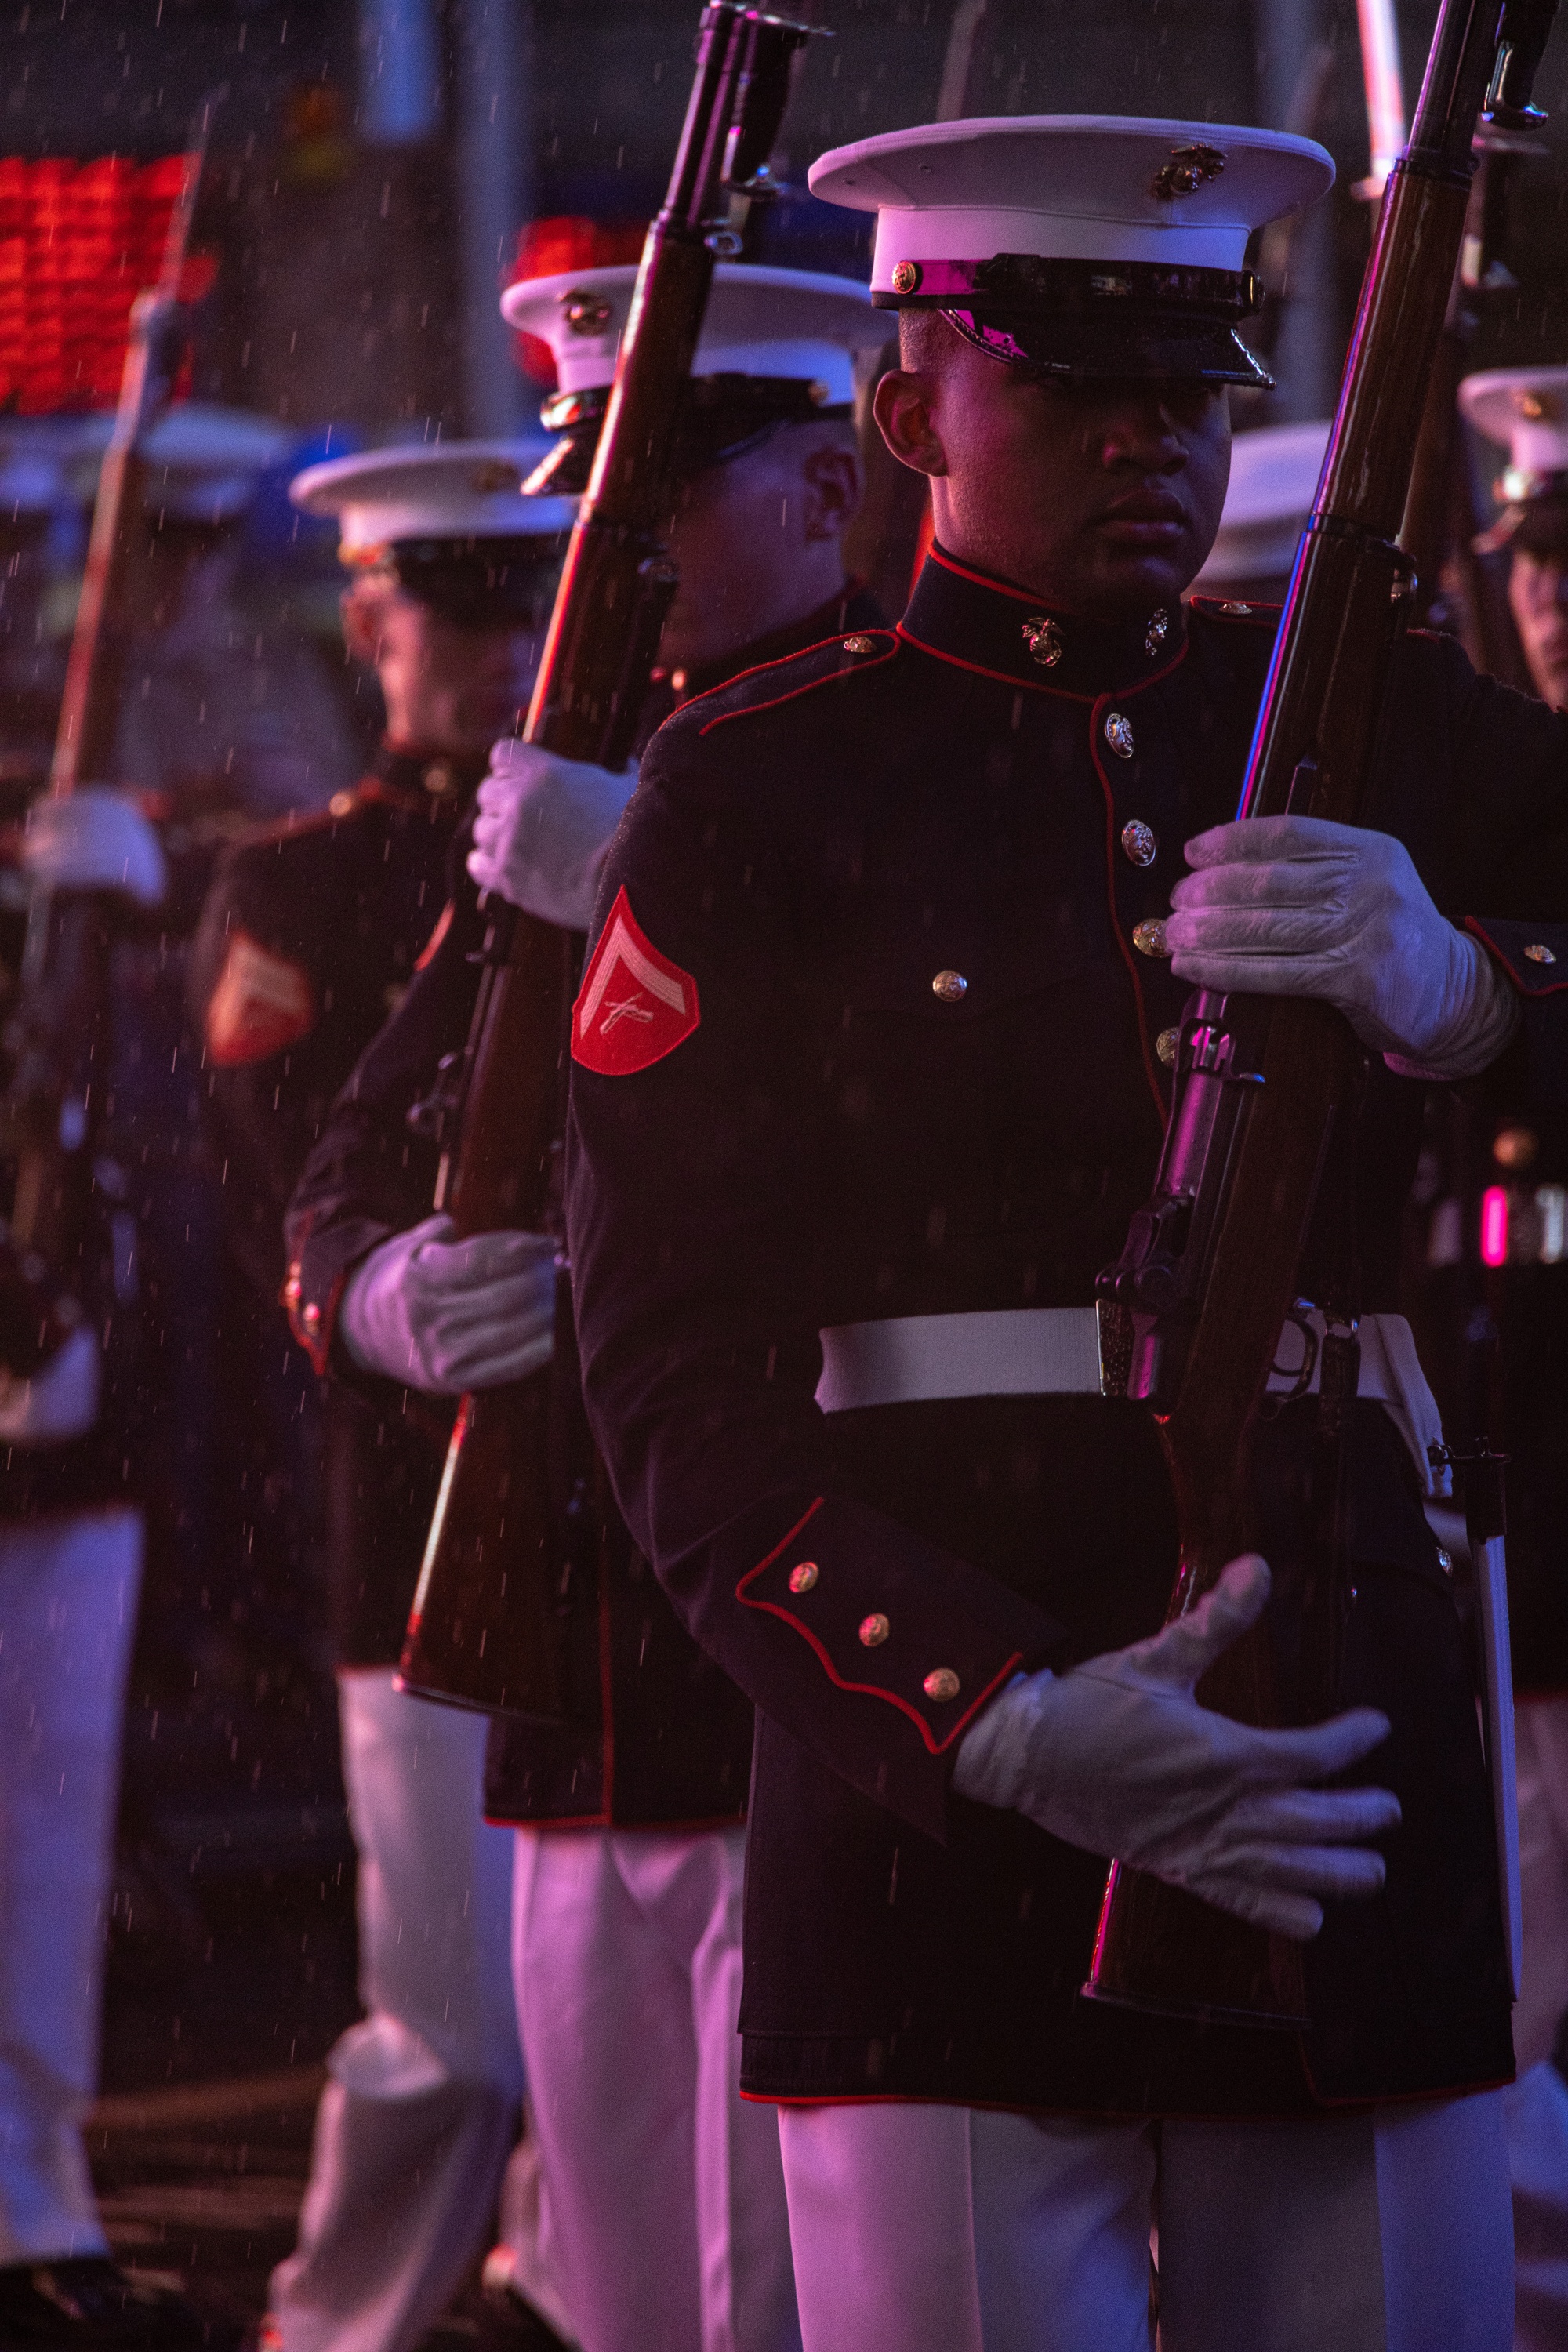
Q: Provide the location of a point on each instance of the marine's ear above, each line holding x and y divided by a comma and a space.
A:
904, 407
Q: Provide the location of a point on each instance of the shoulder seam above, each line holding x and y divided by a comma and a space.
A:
829, 678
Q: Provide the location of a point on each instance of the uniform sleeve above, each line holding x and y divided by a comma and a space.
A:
702, 1074
253, 1000
1480, 782
372, 1172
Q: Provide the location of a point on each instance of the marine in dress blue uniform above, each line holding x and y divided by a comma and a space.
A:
905, 897
309, 934
667, 2192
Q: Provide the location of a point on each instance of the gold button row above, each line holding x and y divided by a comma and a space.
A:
942, 1684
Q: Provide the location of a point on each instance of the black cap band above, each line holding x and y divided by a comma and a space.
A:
720, 417
1090, 319
479, 583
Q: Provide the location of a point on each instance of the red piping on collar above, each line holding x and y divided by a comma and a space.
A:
936, 554
1041, 686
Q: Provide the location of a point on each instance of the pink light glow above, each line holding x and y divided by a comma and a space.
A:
1494, 1226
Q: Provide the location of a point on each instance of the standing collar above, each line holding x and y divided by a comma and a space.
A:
989, 625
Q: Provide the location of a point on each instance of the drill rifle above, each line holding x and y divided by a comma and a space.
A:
485, 1629
1208, 1275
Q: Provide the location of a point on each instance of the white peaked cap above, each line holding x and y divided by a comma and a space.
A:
448, 489
1525, 410
759, 322
203, 459
1273, 476
1070, 187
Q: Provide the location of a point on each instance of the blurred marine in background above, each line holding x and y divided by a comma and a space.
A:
310, 935
665, 2187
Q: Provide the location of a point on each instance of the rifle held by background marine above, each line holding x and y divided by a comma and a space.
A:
1209, 1273
485, 1630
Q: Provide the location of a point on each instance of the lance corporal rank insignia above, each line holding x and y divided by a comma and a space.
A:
262, 1004
634, 1006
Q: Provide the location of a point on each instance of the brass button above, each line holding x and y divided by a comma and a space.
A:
1139, 842
1516, 1147
874, 1630
803, 1577
1165, 1046
1149, 937
950, 986
341, 804
942, 1684
1158, 630
1540, 954
1119, 733
440, 779
1044, 640
860, 645
906, 277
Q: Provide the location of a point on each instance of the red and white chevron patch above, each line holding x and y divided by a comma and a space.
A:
634, 1006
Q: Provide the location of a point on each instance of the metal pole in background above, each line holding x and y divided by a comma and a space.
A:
493, 150
1292, 63
399, 73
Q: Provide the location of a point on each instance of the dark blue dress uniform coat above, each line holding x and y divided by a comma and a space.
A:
656, 1735
309, 937
834, 1132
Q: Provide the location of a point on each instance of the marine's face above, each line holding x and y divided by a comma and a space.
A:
445, 687
1538, 597
1104, 498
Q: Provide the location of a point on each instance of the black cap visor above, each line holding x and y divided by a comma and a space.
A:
1086, 320
478, 583
720, 417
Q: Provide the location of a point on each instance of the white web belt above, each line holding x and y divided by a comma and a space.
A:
1056, 1351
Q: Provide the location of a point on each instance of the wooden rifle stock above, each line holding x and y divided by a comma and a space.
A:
1209, 1272
484, 1631
50, 1116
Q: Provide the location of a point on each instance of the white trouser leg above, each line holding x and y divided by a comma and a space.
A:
1537, 2112
414, 2128
1540, 1748
937, 2228
664, 2184
1387, 2232
527, 2249
69, 1589
926, 2229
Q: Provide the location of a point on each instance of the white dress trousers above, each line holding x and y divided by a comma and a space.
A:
69, 1588
664, 2186
415, 2126
935, 2229
1537, 2107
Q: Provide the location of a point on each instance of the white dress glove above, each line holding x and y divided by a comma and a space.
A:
544, 827
448, 1316
1119, 1758
1292, 905
94, 840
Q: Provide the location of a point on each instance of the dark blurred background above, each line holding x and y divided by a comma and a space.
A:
379, 169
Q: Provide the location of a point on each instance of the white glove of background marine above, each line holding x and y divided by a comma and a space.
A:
543, 828
446, 1316
1119, 1758
94, 840
1292, 905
